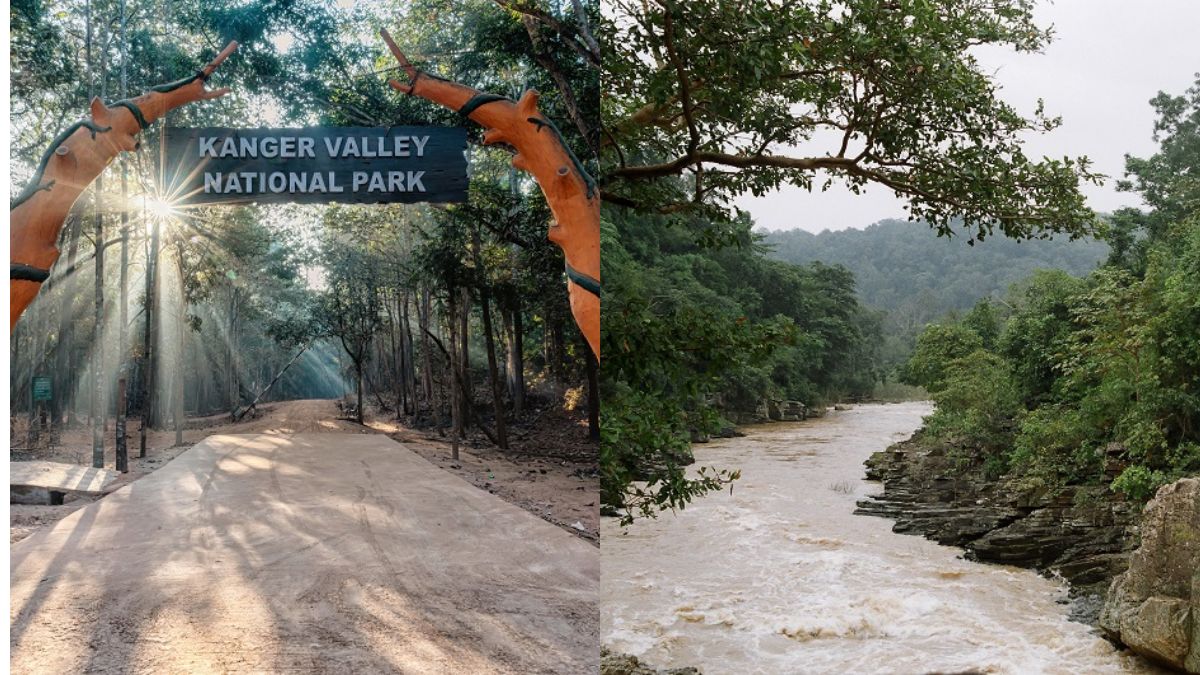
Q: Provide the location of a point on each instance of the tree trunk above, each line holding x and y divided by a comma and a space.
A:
490, 342
464, 336
456, 383
238, 416
593, 392
493, 373
97, 410
423, 312
150, 337
515, 354
121, 445
358, 367
64, 364
397, 356
181, 357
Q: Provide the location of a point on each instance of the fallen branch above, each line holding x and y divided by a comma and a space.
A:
237, 416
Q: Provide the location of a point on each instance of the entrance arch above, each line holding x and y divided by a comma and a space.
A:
80, 154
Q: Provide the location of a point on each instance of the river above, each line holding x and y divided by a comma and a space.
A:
781, 577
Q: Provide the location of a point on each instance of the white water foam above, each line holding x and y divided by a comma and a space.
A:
781, 577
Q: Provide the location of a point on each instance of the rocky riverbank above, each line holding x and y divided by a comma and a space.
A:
612, 663
1154, 606
1134, 573
1083, 534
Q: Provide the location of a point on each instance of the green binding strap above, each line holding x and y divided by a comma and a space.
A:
177, 84
544, 123
23, 272
137, 112
479, 100
35, 183
583, 281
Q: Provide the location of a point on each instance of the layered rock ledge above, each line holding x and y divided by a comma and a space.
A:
1082, 534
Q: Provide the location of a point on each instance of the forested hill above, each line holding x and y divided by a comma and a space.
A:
902, 265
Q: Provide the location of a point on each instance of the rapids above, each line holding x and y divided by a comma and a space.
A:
781, 577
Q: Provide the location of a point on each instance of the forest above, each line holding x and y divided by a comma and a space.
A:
448, 317
1093, 380
695, 331
916, 280
865, 94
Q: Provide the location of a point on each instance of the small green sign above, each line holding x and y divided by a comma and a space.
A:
41, 388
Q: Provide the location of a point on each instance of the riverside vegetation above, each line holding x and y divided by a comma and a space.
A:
1064, 408
719, 100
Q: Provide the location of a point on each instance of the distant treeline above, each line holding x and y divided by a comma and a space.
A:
905, 269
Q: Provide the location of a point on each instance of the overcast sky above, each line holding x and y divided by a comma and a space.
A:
1108, 59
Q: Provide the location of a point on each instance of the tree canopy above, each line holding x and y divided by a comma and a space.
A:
737, 98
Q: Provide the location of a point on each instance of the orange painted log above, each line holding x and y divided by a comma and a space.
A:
76, 158
571, 193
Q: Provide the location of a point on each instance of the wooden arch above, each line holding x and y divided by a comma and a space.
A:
74, 159
571, 193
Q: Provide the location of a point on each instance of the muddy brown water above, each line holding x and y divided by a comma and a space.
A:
781, 577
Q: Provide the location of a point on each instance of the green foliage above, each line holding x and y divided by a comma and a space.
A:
918, 279
1139, 483
940, 350
711, 91
1037, 330
976, 401
691, 331
1104, 371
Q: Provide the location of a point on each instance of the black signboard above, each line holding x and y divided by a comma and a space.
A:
361, 165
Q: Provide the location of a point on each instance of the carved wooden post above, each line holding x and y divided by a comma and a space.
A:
75, 159
571, 193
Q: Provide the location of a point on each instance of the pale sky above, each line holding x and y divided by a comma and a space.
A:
1108, 59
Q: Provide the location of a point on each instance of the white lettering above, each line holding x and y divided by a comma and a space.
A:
206, 146
358, 180
212, 183
316, 180
351, 146
228, 147
377, 184
420, 142
333, 186
287, 147
297, 182
277, 185
332, 145
269, 147
414, 180
306, 146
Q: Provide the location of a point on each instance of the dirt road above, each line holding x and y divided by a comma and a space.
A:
328, 553
561, 491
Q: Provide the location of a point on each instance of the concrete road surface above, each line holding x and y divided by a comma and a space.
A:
312, 553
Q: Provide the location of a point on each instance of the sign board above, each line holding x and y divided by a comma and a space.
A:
358, 165
41, 388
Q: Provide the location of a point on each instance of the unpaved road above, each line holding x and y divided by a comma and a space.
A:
286, 552
561, 491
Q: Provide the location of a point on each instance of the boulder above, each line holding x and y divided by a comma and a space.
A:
612, 663
1154, 606
773, 411
792, 411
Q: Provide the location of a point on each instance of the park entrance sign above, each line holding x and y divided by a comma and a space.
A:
360, 165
